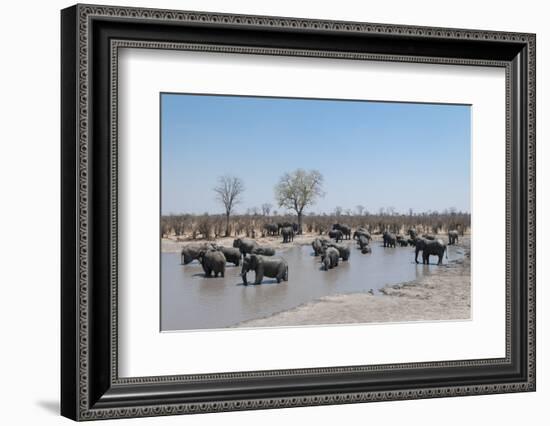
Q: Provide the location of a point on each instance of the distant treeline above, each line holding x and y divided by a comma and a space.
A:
253, 225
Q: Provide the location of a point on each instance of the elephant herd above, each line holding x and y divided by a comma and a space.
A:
254, 257
264, 263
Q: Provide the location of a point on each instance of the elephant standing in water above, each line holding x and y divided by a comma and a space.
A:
192, 252
453, 237
330, 258
264, 251
363, 232
317, 246
343, 251
430, 248
212, 261
288, 234
245, 245
231, 254
389, 239
363, 241
272, 267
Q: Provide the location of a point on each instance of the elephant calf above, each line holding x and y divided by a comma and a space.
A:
366, 250
330, 258
403, 242
453, 237
317, 246
269, 266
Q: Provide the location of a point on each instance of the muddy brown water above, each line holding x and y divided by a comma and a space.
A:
189, 301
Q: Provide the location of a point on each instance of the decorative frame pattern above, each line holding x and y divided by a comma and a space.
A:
88, 404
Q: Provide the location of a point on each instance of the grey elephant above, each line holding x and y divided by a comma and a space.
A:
245, 245
363, 241
430, 248
336, 234
403, 242
343, 251
389, 239
412, 233
453, 237
346, 230
264, 251
362, 231
288, 234
411, 242
330, 258
231, 254
366, 250
192, 252
271, 228
271, 266
428, 237
317, 246
212, 261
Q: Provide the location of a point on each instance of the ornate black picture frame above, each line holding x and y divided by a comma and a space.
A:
91, 37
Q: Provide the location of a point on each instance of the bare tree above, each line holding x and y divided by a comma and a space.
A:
299, 189
338, 211
359, 208
266, 209
228, 192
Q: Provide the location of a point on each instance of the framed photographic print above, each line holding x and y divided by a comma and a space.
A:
263, 212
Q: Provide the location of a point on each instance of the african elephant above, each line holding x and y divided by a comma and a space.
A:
346, 230
271, 229
212, 261
245, 245
366, 250
430, 248
363, 241
292, 225
403, 242
343, 251
288, 234
272, 267
192, 252
412, 233
317, 246
428, 237
231, 254
336, 234
330, 258
389, 239
411, 242
264, 251
362, 231
453, 237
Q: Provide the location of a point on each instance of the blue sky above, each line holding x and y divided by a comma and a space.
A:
377, 154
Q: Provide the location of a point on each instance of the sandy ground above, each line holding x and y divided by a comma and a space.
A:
174, 245
442, 295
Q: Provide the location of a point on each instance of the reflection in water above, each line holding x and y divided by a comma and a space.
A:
189, 301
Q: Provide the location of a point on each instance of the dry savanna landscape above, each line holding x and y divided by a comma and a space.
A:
293, 211
435, 285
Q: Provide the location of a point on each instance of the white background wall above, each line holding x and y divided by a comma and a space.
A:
29, 211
